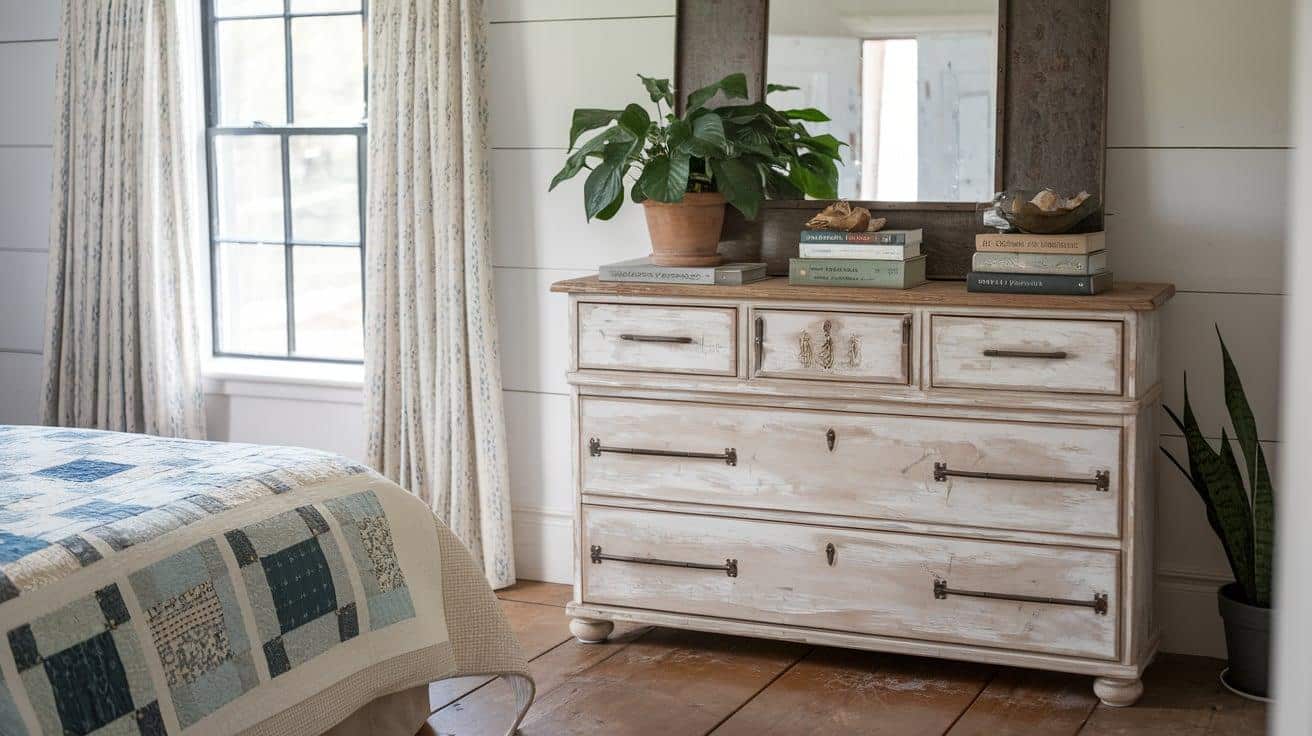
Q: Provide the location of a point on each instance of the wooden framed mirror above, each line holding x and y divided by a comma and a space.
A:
1046, 107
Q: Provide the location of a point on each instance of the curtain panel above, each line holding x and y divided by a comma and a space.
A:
122, 349
432, 379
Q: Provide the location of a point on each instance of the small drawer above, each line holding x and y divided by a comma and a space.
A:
1050, 355
1025, 597
833, 346
647, 337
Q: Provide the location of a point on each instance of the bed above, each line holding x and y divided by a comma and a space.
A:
162, 586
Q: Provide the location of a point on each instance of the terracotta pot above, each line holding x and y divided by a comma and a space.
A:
686, 233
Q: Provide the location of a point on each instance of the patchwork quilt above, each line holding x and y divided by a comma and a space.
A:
160, 586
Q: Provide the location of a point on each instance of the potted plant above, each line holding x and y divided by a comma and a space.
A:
684, 168
1243, 518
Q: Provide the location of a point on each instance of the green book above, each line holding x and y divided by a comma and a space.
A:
849, 272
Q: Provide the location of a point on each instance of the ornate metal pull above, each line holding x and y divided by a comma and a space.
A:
1098, 603
758, 341
729, 456
1101, 480
853, 351
1055, 355
805, 356
656, 338
830, 438
730, 566
829, 553
826, 355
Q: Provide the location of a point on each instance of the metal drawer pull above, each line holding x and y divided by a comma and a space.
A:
1055, 355
729, 456
1102, 480
656, 338
1098, 604
730, 566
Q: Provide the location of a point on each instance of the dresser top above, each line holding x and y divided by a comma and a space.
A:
1127, 295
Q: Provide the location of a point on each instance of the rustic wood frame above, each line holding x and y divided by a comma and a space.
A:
1051, 124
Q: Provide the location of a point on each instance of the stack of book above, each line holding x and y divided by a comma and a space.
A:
1020, 263
642, 270
886, 259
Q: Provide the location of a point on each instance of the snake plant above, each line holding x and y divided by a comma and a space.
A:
1241, 515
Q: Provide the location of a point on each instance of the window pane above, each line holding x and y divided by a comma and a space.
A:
251, 288
248, 180
325, 206
328, 69
247, 7
328, 289
323, 6
252, 79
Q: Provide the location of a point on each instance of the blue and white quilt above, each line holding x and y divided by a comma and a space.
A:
162, 586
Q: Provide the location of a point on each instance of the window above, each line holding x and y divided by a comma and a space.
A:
285, 122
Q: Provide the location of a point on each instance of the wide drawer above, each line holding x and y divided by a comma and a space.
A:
1034, 598
1054, 355
835, 346
1040, 476
648, 337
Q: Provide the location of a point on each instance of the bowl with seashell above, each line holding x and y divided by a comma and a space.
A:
1042, 211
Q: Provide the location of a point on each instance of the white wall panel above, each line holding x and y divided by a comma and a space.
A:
24, 197
532, 326
540, 72
1199, 73
27, 89
334, 427
20, 388
509, 11
1206, 220
544, 546
538, 443
22, 300
21, 20
541, 229
1187, 614
1250, 324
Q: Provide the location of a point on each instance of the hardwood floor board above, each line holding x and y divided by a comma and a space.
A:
1021, 702
838, 691
532, 591
1181, 696
489, 709
668, 682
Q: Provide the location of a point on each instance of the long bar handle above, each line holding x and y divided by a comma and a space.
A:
730, 566
1098, 603
1101, 480
656, 338
729, 456
1054, 355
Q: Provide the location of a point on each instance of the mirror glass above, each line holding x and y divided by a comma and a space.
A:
909, 86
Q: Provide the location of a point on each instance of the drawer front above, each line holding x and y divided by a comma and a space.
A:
836, 346
903, 585
1044, 477
643, 337
1057, 355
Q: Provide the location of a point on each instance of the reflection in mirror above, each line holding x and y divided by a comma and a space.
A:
909, 86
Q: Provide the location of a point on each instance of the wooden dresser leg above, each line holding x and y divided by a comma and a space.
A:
589, 630
1117, 693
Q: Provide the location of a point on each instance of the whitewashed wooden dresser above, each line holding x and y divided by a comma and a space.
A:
928, 471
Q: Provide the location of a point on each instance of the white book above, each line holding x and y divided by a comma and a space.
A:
859, 251
641, 270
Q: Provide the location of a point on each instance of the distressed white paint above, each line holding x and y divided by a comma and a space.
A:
832, 346
1090, 353
638, 337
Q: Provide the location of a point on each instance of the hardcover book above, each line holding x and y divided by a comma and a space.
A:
1045, 263
1021, 283
849, 272
641, 270
1071, 244
879, 237
859, 251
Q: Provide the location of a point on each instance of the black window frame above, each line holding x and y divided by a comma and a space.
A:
284, 132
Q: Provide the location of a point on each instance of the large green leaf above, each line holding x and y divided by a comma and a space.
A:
779, 88
1263, 531
816, 175
635, 120
809, 114
659, 90
606, 182
665, 178
594, 147
1241, 414
826, 144
706, 137
740, 183
586, 119
733, 86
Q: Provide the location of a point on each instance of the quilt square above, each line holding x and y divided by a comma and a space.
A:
301, 584
369, 538
84, 470
80, 548
102, 511
90, 687
17, 546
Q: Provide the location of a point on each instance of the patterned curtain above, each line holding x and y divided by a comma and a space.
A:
122, 349
432, 377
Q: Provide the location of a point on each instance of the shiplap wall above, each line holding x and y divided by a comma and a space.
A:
1198, 151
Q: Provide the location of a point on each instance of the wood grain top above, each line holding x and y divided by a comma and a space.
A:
1127, 295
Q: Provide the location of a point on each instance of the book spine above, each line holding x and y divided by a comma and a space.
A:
658, 275
883, 274
1039, 263
738, 278
856, 251
1012, 283
838, 236
1014, 243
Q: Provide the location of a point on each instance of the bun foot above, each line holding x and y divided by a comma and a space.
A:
1117, 693
590, 631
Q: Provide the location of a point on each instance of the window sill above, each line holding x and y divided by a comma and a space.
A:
288, 380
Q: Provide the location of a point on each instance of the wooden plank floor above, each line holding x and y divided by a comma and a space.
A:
665, 682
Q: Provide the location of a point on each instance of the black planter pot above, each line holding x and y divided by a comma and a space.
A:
1247, 641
